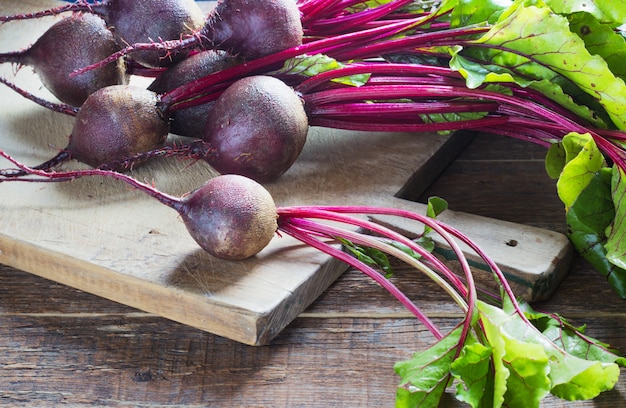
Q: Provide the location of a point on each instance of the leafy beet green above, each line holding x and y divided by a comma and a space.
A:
566, 55
472, 370
511, 362
539, 52
418, 389
591, 192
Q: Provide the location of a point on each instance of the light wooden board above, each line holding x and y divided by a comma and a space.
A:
99, 236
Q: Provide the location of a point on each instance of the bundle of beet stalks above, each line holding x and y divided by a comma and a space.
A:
247, 81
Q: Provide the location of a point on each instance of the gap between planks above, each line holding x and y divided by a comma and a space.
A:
307, 315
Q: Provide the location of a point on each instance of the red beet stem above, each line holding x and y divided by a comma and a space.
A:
56, 107
81, 5
61, 176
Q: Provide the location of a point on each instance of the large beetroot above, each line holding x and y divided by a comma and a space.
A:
258, 127
254, 28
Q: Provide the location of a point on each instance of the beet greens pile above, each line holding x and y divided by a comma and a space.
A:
546, 71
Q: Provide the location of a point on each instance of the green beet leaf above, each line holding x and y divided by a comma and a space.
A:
616, 246
571, 377
584, 186
310, 65
450, 117
564, 151
538, 44
369, 256
572, 339
470, 12
555, 160
436, 205
421, 6
474, 372
588, 220
583, 160
606, 11
601, 39
566, 94
579, 379
425, 376
478, 66
476, 74
520, 367
369, 4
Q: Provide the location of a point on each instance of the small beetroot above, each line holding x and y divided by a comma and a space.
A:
68, 45
117, 122
191, 121
230, 216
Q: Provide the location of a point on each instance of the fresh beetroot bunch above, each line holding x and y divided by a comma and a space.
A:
139, 121
262, 150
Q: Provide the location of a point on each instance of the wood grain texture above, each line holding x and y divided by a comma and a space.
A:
99, 236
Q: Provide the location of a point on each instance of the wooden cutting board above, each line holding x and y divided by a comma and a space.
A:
99, 236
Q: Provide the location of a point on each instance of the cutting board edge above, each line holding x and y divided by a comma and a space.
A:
301, 298
199, 311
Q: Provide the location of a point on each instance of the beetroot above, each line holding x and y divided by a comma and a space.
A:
72, 43
114, 123
254, 28
191, 121
258, 127
230, 216
135, 21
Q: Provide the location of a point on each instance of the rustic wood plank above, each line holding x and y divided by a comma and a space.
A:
138, 359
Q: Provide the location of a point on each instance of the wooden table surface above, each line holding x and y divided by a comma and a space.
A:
62, 346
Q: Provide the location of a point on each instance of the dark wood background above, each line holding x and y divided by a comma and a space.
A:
62, 346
